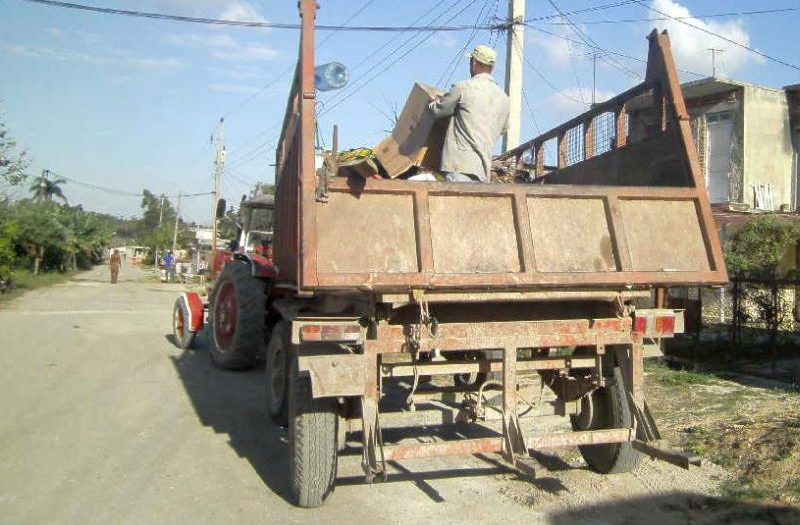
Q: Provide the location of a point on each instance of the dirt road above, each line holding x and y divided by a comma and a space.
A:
103, 420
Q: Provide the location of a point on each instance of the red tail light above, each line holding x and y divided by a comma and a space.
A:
658, 322
347, 333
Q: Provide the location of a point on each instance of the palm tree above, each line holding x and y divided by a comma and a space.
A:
44, 188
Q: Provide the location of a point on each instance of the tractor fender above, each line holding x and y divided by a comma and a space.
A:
260, 266
195, 307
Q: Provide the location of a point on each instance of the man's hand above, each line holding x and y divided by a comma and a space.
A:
433, 102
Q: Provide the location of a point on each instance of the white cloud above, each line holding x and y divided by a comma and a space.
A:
61, 55
446, 41
691, 46
55, 31
557, 49
67, 55
242, 12
253, 52
157, 63
223, 46
239, 71
573, 101
233, 88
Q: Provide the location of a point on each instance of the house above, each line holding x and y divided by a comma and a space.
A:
746, 145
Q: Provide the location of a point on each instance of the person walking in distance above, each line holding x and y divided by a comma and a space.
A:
480, 112
114, 263
169, 266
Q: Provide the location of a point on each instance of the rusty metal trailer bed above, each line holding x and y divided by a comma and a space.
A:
382, 279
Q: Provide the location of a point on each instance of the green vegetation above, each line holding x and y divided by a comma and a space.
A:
666, 376
25, 281
757, 249
752, 432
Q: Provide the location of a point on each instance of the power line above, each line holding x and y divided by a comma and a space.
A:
113, 191
726, 39
247, 23
459, 54
661, 18
379, 73
605, 50
395, 50
289, 69
587, 39
560, 14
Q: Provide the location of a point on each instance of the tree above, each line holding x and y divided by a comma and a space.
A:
44, 188
8, 231
757, 249
155, 211
40, 233
12, 163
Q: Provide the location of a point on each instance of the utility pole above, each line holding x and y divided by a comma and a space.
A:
514, 50
714, 60
219, 164
177, 219
594, 79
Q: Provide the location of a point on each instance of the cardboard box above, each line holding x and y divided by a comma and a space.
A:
417, 139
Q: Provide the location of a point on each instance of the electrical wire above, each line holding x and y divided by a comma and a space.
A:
587, 39
661, 18
114, 191
291, 67
580, 11
721, 37
242, 23
379, 73
397, 49
605, 50
460, 53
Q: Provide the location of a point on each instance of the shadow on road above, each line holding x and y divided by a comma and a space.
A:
677, 508
233, 403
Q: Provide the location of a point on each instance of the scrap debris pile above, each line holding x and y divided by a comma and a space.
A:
413, 150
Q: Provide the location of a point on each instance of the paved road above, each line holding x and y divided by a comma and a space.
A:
103, 420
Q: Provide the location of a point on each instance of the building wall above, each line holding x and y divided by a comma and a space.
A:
768, 152
699, 108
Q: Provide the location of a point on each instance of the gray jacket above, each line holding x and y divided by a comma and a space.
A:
480, 115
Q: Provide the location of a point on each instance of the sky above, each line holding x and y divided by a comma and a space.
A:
129, 103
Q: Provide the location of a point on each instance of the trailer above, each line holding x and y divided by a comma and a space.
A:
376, 279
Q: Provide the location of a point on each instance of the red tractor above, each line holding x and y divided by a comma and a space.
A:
235, 311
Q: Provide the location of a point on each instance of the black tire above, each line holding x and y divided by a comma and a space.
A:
184, 338
235, 344
277, 373
467, 380
312, 442
606, 408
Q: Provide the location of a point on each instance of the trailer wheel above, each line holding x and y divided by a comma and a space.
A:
467, 379
277, 373
237, 317
312, 442
606, 408
180, 325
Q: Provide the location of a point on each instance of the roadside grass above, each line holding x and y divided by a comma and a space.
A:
753, 432
25, 281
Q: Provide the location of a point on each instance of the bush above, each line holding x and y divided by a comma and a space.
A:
757, 249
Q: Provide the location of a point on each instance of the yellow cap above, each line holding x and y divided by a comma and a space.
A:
484, 55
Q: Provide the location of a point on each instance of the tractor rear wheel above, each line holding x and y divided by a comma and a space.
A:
237, 317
